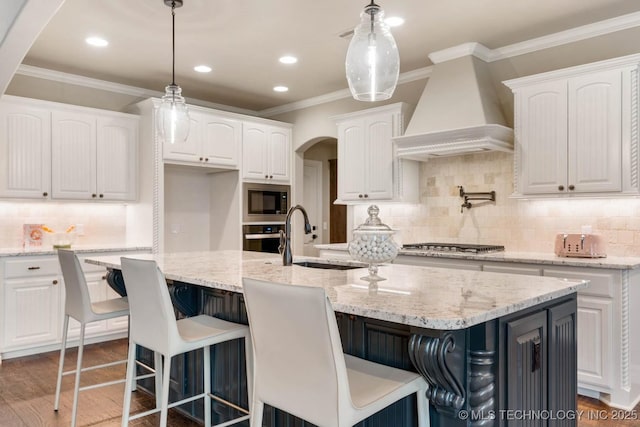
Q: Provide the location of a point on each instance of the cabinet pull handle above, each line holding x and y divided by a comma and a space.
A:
561, 187
45, 194
55, 282
536, 355
33, 268
572, 187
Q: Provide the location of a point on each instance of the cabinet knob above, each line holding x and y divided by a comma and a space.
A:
45, 194
561, 187
94, 195
360, 196
206, 159
366, 195
104, 277
201, 158
572, 187
55, 282
270, 176
266, 176
101, 196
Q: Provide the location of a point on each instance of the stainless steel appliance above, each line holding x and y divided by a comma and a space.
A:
261, 237
265, 202
454, 247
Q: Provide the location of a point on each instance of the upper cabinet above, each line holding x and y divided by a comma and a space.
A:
94, 157
576, 130
25, 151
368, 168
266, 153
57, 151
213, 141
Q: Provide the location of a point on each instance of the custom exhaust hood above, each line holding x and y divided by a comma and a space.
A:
458, 112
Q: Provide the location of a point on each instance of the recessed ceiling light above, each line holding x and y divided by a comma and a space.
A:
288, 59
280, 88
394, 21
202, 68
96, 41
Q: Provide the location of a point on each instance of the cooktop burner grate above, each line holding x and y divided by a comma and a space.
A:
454, 247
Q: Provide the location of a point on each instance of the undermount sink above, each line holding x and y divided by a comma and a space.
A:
325, 265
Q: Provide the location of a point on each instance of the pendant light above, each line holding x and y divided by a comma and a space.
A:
373, 62
173, 116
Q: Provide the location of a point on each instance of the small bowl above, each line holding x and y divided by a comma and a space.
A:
62, 240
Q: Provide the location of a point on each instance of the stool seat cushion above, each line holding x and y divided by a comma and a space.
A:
202, 330
111, 308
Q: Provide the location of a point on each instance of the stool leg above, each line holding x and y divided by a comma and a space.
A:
207, 385
255, 417
423, 409
128, 384
248, 355
65, 327
165, 391
157, 362
77, 382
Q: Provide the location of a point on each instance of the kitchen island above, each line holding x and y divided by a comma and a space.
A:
485, 342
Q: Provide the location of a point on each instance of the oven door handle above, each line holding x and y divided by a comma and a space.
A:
261, 236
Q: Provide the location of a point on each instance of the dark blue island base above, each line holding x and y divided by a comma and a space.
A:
517, 370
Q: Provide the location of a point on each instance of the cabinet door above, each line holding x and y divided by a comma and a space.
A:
595, 316
117, 159
595, 132
189, 150
379, 157
279, 153
541, 112
254, 151
220, 140
526, 364
562, 361
351, 160
25, 152
32, 312
73, 153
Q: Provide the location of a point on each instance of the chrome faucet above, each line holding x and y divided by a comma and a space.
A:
285, 236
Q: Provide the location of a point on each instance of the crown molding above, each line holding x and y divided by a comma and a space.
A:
476, 49
409, 76
576, 34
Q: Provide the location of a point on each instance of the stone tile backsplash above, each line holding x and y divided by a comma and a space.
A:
519, 225
104, 224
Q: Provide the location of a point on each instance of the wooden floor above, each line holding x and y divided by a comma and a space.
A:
27, 391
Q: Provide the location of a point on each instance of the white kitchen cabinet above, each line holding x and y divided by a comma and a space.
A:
93, 157
574, 130
25, 151
213, 141
266, 153
368, 168
32, 309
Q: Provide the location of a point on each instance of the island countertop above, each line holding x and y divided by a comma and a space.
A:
432, 298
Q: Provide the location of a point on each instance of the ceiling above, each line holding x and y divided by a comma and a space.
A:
243, 39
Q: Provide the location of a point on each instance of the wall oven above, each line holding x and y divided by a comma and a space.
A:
265, 202
261, 237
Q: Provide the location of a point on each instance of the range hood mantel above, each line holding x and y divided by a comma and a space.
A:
458, 112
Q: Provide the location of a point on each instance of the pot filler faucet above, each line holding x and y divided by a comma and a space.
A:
285, 236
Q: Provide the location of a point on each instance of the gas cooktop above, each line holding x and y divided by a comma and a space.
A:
454, 247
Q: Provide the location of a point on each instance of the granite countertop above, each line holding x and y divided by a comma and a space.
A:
612, 262
81, 249
433, 298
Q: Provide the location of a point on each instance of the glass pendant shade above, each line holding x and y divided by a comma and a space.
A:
173, 116
373, 62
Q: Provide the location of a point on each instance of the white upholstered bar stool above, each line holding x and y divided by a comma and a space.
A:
300, 366
154, 326
78, 305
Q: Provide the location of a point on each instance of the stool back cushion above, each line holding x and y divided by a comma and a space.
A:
77, 300
153, 322
299, 364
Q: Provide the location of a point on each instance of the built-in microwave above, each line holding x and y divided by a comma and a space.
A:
265, 202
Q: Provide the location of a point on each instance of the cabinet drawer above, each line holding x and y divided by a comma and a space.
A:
601, 282
31, 266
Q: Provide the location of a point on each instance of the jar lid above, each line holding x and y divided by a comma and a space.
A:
373, 223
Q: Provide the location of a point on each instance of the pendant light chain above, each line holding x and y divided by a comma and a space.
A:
173, 43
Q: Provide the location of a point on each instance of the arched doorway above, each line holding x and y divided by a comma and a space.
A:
320, 184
